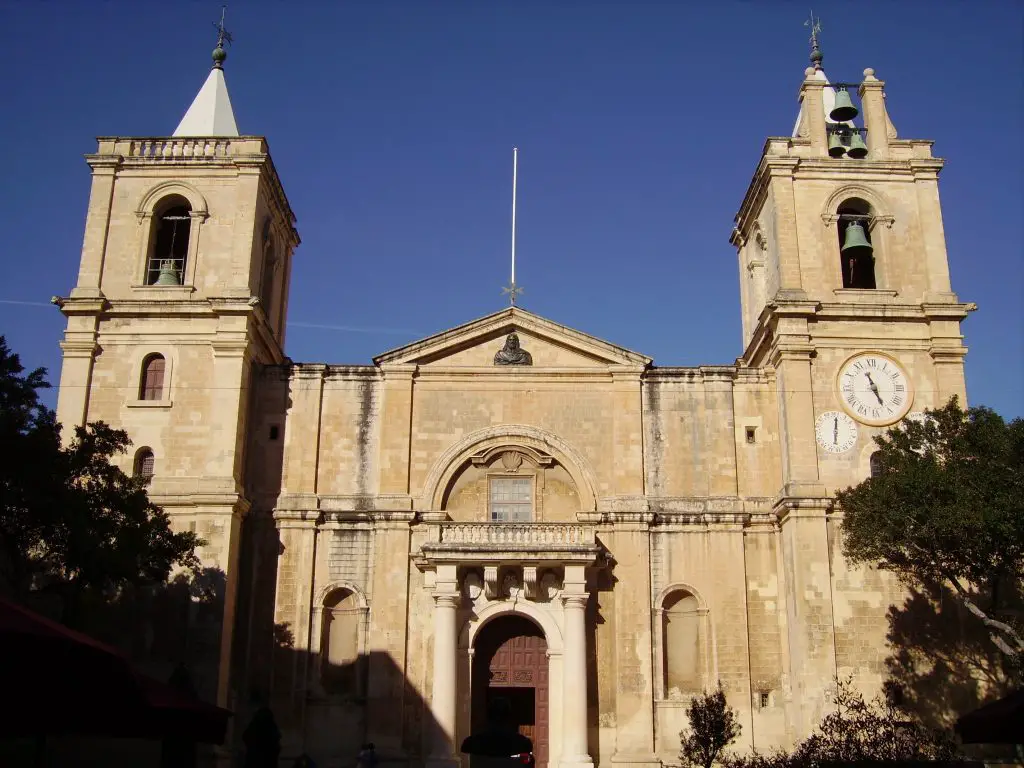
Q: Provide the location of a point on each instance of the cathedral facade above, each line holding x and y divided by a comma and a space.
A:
512, 508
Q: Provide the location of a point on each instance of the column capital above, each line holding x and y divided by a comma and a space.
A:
447, 599
575, 601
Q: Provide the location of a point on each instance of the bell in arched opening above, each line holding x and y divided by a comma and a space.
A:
168, 274
855, 244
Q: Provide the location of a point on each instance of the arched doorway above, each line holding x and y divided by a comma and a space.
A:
510, 660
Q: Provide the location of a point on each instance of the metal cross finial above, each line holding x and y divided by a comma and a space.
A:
815, 25
223, 36
512, 290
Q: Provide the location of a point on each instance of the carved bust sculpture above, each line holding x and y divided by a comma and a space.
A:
512, 353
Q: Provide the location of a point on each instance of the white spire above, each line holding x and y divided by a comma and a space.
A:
210, 113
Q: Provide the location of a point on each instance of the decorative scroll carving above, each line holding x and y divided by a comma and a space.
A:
530, 581
491, 582
512, 353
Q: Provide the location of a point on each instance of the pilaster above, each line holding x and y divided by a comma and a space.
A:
634, 693
627, 433
97, 224
80, 348
787, 241
297, 533
872, 98
396, 415
806, 577
933, 234
389, 619
795, 392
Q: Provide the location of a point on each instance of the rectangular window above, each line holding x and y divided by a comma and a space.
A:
511, 499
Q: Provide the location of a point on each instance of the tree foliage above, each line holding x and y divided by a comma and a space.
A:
713, 727
947, 507
70, 519
858, 730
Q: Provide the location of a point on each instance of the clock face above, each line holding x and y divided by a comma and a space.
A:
874, 389
836, 432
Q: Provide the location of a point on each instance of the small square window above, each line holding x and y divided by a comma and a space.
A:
275, 432
511, 499
764, 699
751, 433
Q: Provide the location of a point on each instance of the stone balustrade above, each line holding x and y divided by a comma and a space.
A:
521, 543
178, 149
527, 535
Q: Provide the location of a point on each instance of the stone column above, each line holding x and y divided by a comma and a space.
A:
574, 676
443, 702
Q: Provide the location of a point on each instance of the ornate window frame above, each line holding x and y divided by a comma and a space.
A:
144, 214
881, 213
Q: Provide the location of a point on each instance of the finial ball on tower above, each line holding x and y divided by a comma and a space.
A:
869, 74
809, 72
219, 54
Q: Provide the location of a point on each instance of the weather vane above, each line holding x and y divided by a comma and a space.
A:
513, 290
223, 36
815, 25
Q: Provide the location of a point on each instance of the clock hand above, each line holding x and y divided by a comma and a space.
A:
835, 430
874, 388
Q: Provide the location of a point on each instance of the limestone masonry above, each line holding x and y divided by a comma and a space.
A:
551, 519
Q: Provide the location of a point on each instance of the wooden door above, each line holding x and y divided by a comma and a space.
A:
512, 657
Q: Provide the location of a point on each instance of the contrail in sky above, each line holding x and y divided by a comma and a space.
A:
27, 303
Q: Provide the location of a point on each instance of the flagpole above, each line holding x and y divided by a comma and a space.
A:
515, 169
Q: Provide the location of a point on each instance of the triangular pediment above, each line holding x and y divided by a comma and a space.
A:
550, 345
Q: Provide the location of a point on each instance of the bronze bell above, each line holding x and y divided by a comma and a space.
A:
168, 274
855, 243
858, 149
836, 148
843, 109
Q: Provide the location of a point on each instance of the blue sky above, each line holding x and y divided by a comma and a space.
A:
392, 124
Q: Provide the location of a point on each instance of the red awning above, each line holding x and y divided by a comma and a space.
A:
58, 681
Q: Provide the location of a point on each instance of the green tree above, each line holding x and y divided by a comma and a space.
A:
946, 507
858, 731
713, 727
71, 521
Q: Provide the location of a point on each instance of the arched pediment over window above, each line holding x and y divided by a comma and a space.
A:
468, 480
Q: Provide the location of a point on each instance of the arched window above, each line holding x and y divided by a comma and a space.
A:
151, 383
683, 644
875, 462
168, 250
339, 643
144, 465
858, 259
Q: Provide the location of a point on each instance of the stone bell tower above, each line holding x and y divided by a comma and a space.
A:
182, 291
846, 301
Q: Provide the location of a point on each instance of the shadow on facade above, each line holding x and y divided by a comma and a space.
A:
944, 663
180, 622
